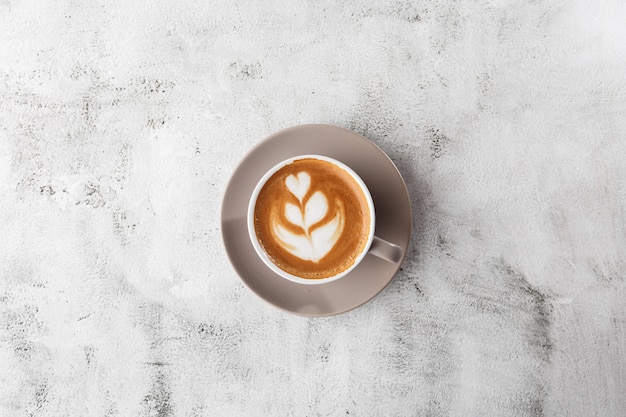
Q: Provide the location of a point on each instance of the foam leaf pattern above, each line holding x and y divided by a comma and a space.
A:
298, 245
294, 215
315, 209
315, 242
324, 238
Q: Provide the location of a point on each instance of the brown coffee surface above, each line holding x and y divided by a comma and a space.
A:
312, 219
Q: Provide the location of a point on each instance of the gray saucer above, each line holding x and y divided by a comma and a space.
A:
393, 219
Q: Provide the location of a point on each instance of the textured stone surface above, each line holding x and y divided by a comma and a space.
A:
121, 122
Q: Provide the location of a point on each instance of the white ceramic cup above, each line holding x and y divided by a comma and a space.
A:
376, 246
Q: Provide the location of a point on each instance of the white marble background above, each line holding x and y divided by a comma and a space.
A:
121, 122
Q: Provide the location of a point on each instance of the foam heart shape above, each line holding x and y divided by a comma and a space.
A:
299, 185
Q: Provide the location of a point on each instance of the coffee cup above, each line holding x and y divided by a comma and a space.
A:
311, 220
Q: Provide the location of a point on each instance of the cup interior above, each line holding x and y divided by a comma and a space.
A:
261, 252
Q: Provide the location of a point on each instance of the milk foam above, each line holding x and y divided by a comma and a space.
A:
312, 243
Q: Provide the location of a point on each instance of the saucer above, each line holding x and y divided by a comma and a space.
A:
393, 219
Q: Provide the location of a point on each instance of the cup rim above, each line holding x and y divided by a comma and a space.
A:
261, 252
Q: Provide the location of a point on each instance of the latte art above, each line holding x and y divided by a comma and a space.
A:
312, 219
316, 238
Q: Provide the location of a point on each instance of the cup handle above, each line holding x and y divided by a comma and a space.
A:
386, 250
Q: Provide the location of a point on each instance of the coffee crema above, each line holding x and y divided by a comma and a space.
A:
312, 219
